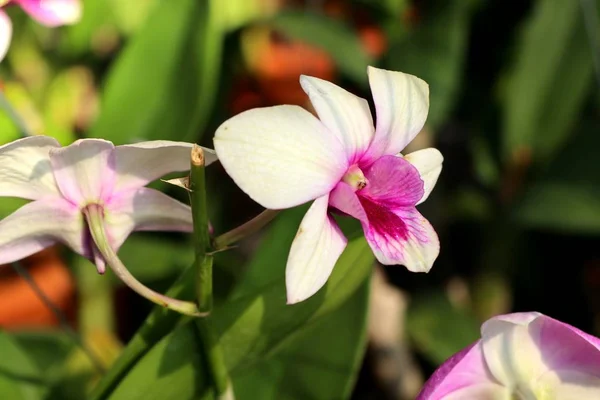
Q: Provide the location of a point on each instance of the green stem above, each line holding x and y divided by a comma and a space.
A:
201, 237
95, 218
158, 324
14, 115
250, 227
215, 360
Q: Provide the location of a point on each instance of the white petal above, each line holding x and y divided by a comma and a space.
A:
38, 225
280, 156
84, 170
511, 351
5, 34
144, 209
429, 164
346, 115
567, 385
141, 163
52, 12
25, 169
401, 103
315, 250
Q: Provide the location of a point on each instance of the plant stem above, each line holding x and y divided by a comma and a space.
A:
201, 237
94, 217
60, 316
214, 359
14, 116
250, 227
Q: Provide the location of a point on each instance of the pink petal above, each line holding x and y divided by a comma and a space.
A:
466, 370
429, 164
400, 236
402, 104
52, 12
25, 169
38, 225
84, 170
141, 163
5, 34
315, 250
345, 115
482, 391
344, 198
144, 209
393, 182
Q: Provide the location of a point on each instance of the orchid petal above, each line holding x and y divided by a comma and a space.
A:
315, 250
401, 236
84, 171
5, 34
568, 385
345, 115
401, 103
393, 182
40, 224
25, 169
144, 209
141, 163
344, 198
52, 12
464, 370
429, 164
480, 391
280, 156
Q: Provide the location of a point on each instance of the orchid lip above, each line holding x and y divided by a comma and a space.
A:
355, 178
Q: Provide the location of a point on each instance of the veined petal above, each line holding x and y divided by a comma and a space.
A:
393, 182
464, 371
280, 156
25, 169
315, 250
344, 198
85, 170
52, 12
347, 116
429, 164
38, 225
401, 103
141, 163
5, 34
400, 236
144, 209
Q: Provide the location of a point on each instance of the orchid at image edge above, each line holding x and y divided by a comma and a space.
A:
283, 156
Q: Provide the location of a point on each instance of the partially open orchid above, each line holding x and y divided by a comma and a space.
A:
521, 356
46, 12
283, 156
91, 196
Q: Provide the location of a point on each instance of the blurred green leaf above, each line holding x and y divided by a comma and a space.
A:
437, 328
435, 51
549, 80
321, 361
163, 84
331, 35
171, 370
20, 379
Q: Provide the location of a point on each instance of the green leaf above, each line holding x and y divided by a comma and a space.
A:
435, 52
331, 35
20, 378
163, 84
171, 370
318, 362
549, 80
437, 328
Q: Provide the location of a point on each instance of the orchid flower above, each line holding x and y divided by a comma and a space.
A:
47, 12
283, 156
91, 196
521, 356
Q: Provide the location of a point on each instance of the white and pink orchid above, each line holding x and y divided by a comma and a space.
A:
521, 356
90, 195
47, 12
283, 156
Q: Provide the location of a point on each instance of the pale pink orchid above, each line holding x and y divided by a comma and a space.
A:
47, 12
521, 356
90, 195
283, 156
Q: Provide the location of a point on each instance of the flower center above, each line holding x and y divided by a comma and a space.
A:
355, 178
523, 392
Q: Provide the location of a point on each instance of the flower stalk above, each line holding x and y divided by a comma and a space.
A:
248, 228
